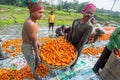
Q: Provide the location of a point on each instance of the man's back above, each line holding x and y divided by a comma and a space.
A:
58, 30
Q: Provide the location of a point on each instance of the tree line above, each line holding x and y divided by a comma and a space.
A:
74, 6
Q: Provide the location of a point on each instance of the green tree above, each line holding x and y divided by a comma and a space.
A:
11, 2
81, 6
60, 5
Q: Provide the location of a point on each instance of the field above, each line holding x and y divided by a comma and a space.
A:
10, 15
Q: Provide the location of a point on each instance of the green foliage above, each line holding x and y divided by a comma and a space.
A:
10, 15
108, 18
6, 22
75, 6
80, 7
60, 7
11, 2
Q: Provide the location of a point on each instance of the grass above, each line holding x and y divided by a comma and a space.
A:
109, 18
10, 15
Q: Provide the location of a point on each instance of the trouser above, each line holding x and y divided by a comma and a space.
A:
0, 50
29, 56
102, 60
51, 25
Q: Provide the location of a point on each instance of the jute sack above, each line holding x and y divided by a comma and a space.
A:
105, 75
111, 71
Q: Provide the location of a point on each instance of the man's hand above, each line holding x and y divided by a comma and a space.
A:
37, 57
94, 33
39, 44
38, 60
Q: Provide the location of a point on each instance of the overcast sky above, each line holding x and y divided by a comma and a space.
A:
106, 4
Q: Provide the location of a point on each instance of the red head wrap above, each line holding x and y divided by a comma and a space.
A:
35, 6
89, 6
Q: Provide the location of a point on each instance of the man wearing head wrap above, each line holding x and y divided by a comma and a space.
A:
113, 44
60, 31
30, 45
81, 29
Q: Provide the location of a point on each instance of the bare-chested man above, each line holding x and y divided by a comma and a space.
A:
29, 36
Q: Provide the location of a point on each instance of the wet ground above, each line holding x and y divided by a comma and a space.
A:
15, 30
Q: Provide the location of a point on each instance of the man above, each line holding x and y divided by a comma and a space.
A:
2, 57
51, 20
81, 30
60, 31
67, 30
29, 36
98, 31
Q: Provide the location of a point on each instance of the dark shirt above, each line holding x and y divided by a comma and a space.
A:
67, 30
79, 34
59, 31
